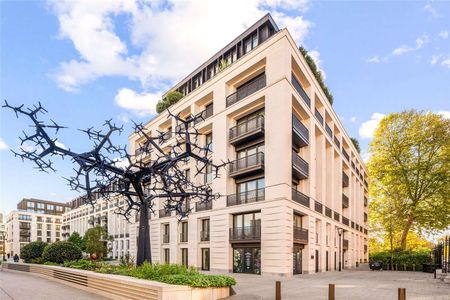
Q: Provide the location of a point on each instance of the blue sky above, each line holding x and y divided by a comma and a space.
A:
88, 61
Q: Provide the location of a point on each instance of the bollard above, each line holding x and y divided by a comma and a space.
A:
331, 292
277, 290
401, 294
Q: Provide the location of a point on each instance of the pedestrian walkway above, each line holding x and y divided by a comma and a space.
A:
23, 286
350, 285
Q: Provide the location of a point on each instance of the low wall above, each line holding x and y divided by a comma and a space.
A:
119, 287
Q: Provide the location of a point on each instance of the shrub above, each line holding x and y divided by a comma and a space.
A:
61, 251
32, 252
410, 259
82, 264
171, 98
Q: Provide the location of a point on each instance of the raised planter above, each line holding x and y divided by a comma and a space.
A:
117, 286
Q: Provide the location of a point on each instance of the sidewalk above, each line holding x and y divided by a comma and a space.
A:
23, 286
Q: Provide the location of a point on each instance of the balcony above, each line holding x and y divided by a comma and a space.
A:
166, 136
345, 221
365, 231
318, 116
345, 201
246, 197
336, 141
300, 134
345, 154
163, 213
365, 217
336, 216
300, 168
246, 131
345, 244
352, 224
345, 180
166, 238
300, 90
329, 131
366, 184
318, 207
24, 226
247, 89
247, 165
328, 212
24, 233
365, 248
201, 206
301, 198
204, 236
245, 234
300, 235
204, 114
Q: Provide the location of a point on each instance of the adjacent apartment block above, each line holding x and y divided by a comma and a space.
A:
83, 216
34, 220
2, 236
295, 181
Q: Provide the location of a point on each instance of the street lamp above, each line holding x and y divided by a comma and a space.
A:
340, 233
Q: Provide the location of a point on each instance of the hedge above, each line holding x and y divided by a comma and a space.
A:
61, 251
32, 252
413, 260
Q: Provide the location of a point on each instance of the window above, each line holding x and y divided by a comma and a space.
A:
184, 256
184, 232
39, 233
57, 234
209, 141
58, 227
187, 174
49, 240
50, 207
166, 233
166, 255
250, 117
39, 219
204, 234
49, 227
208, 174
40, 205
250, 151
49, 233
247, 220
205, 259
298, 221
59, 208
39, 238
25, 217
30, 204
48, 220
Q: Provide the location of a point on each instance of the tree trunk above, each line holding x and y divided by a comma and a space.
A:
405, 232
143, 246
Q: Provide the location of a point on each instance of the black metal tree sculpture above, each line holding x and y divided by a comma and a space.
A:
149, 175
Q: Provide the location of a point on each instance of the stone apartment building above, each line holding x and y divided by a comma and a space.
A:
83, 216
34, 220
294, 198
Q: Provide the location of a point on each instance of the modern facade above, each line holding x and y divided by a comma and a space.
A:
34, 220
2, 236
83, 216
294, 198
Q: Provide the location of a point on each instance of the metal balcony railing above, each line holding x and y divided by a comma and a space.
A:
250, 129
166, 136
345, 180
329, 131
247, 89
345, 221
336, 141
204, 114
246, 233
244, 165
298, 87
300, 167
345, 154
328, 212
200, 206
336, 216
166, 238
345, 201
318, 207
365, 217
318, 116
300, 135
301, 235
301, 198
204, 236
246, 197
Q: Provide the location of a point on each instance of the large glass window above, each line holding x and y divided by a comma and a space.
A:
166, 255
209, 141
184, 232
247, 219
208, 174
184, 257
298, 221
205, 259
250, 151
204, 234
247, 260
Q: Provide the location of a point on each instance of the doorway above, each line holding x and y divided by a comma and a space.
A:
247, 260
317, 261
297, 260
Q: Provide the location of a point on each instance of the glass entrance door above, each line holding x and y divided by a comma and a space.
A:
247, 260
297, 261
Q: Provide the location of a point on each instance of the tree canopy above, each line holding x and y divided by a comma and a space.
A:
171, 98
78, 240
356, 144
96, 241
410, 174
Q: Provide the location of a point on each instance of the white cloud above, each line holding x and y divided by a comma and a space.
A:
160, 42
446, 62
434, 59
443, 34
123, 117
61, 145
353, 119
367, 128
374, 59
3, 145
444, 113
431, 10
420, 42
316, 57
141, 104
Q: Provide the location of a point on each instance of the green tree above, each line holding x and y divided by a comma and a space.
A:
171, 98
410, 178
78, 240
32, 252
356, 144
96, 241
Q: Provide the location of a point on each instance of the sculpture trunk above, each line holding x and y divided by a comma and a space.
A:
143, 248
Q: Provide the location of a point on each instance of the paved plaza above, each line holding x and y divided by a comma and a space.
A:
350, 285
22, 286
